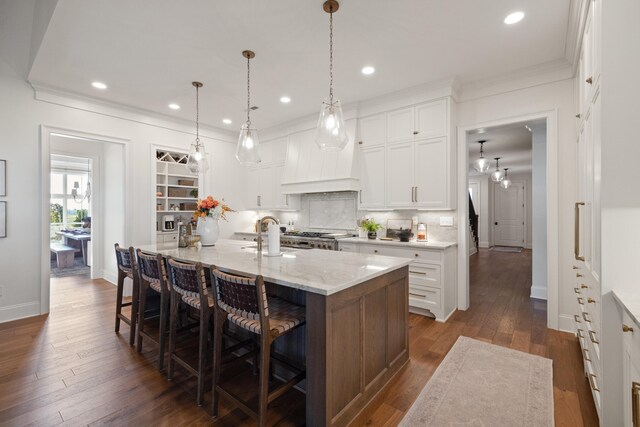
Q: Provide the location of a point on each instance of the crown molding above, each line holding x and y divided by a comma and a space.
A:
537, 75
90, 104
578, 12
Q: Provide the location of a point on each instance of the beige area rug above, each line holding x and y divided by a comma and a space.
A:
484, 385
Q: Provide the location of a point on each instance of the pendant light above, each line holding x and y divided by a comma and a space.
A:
331, 134
248, 150
506, 182
197, 161
481, 165
76, 188
497, 175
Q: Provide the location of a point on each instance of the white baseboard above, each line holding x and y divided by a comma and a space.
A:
539, 292
567, 323
528, 246
484, 245
110, 276
19, 311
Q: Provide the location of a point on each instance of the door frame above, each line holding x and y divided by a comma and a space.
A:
525, 219
551, 117
45, 186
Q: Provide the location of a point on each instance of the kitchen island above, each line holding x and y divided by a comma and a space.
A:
356, 334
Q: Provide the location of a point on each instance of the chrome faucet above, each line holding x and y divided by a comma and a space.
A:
260, 222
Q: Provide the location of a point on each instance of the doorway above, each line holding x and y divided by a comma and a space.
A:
83, 207
526, 209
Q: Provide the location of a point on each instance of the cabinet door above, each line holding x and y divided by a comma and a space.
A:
267, 195
283, 201
400, 175
431, 119
373, 130
431, 173
400, 125
586, 63
372, 177
253, 189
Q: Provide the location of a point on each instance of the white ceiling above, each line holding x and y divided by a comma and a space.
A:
512, 143
149, 51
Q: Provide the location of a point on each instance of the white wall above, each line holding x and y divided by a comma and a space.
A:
538, 98
113, 206
22, 116
539, 211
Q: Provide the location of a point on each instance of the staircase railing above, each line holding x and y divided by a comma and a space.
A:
473, 221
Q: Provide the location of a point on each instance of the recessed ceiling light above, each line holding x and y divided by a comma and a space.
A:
368, 70
513, 18
174, 106
226, 121
99, 85
285, 100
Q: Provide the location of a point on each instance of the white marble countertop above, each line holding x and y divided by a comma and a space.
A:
312, 270
410, 244
631, 303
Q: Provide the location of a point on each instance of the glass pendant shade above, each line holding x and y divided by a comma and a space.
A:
481, 165
506, 182
197, 160
497, 175
248, 149
331, 134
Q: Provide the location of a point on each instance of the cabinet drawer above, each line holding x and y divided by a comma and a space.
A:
418, 255
424, 296
169, 238
349, 247
425, 275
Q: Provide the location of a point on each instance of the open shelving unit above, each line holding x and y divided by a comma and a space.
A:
177, 191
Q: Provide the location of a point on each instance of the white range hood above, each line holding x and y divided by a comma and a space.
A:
310, 170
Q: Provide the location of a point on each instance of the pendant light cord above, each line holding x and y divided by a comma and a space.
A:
331, 57
248, 92
197, 116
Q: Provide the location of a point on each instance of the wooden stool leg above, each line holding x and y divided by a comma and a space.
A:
218, 328
173, 315
263, 398
135, 299
205, 314
141, 308
163, 329
120, 288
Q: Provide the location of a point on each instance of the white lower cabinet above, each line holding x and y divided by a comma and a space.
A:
432, 275
631, 371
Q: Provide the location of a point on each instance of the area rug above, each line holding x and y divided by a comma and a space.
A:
506, 249
484, 385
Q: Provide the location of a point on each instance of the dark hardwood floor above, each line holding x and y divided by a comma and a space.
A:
69, 368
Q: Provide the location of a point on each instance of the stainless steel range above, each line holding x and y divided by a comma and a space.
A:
312, 240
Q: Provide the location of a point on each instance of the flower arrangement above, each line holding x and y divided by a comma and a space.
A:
210, 207
369, 225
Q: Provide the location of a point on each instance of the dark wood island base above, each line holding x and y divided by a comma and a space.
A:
357, 341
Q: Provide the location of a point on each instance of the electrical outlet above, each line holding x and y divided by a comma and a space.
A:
446, 221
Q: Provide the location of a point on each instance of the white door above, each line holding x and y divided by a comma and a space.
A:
372, 178
400, 175
509, 215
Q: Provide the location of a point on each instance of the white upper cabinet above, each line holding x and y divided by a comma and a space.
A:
431, 119
400, 175
372, 177
431, 166
373, 130
400, 126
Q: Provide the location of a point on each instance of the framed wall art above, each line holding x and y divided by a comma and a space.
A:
3, 178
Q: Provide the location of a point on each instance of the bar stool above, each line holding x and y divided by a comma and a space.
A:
127, 267
153, 279
189, 286
244, 302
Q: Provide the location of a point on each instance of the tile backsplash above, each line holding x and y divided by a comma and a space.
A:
339, 211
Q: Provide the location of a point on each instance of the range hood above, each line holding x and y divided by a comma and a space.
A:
308, 169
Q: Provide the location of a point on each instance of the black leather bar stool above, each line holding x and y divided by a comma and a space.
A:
127, 267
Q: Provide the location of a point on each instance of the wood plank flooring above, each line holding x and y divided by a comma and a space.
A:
69, 368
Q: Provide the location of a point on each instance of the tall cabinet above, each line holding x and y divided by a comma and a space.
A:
587, 292
407, 158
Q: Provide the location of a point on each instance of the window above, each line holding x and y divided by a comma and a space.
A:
64, 211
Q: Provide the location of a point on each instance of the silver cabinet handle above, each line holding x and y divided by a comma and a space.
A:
286, 199
576, 232
360, 196
416, 194
586, 319
592, 336
579, 333
412, 199
576, 318
592, 382
585, 354
417, 273
259, 200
